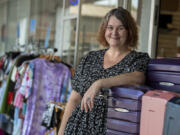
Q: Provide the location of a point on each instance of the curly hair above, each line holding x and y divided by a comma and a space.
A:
127, 20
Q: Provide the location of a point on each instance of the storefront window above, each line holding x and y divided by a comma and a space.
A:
56, 24
11, 25
91, 16
42, 22
71, 7
134, 8
17, 24
69, 36
3, 26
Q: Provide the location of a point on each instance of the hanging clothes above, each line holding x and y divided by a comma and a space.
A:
42, 81
48, 81
8, 91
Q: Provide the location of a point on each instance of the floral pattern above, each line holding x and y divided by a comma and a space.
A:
89, 70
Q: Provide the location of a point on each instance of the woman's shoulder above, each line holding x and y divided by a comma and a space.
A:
92, 55
140, 54
97, 52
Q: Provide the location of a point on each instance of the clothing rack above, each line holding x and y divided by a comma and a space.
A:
48, 51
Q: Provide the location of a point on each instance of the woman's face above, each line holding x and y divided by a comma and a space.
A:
115, 33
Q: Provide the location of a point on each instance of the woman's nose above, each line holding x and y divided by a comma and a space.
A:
115, 31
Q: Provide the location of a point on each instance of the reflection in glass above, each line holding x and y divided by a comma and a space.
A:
11, 26
71, 7
69, 35
134, 8
3, 27
44, 14
91, 16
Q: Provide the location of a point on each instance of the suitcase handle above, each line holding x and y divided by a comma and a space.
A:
121, 110
166, 83
156, 94
151, 111
177, 101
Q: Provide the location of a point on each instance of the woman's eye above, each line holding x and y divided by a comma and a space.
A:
121, 28
110, 28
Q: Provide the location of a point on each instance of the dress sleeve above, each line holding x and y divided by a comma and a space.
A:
77, 79
140, 62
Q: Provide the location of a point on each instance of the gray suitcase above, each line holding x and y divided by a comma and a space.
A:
172, 117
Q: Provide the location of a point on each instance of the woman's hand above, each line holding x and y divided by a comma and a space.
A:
88, 98
61, 133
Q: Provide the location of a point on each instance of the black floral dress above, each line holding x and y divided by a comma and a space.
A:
89, 70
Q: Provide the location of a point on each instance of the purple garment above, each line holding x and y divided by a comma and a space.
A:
48, 79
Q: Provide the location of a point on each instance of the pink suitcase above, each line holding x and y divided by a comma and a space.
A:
153, 111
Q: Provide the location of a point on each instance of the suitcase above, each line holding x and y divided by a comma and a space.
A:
153, 111
122, 126
172, 117
164, 74
123, 114
129, 104
126, 92
114, 132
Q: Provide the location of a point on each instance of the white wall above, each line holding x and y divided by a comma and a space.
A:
148, 29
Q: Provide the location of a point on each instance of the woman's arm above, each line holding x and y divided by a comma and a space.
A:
74, 100
133, 78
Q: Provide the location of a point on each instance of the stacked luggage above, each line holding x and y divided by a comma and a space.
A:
124, 109
160, 109
153, 111
160, 112
164, 74
172, 118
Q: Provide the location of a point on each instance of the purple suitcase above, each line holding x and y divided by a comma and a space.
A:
114, 132
126, 92
164, 74
129, 104
123, 126
119, 113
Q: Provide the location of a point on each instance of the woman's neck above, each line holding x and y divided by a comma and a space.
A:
117, 52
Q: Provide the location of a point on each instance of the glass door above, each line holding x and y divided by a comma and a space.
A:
68, 32
92, 13
78, 27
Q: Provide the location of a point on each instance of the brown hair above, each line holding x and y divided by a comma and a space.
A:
127, 20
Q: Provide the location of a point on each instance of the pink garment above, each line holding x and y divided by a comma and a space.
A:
26, 83
18, 102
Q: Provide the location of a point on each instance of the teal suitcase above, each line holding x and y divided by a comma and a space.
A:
172, 117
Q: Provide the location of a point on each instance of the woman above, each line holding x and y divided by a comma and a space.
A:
118, 64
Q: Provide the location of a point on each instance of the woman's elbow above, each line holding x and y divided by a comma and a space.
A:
140, 78
75, 98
